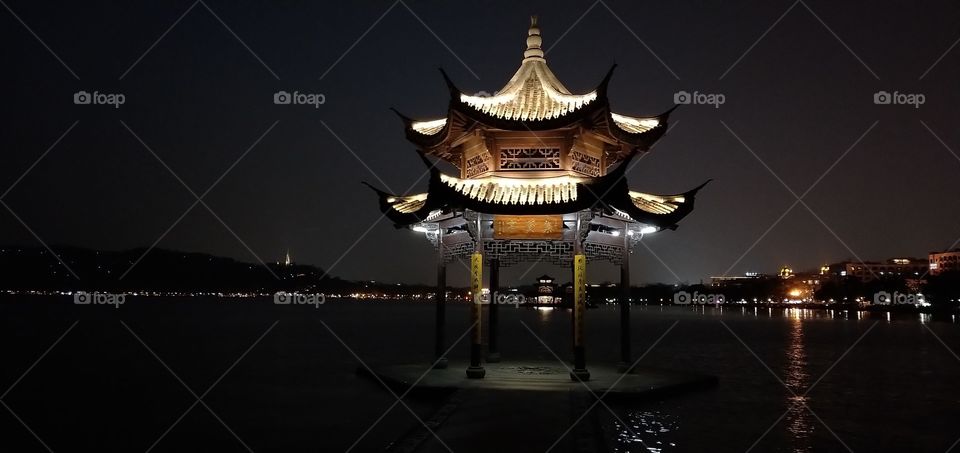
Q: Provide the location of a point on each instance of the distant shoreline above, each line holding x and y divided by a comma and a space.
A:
905, 309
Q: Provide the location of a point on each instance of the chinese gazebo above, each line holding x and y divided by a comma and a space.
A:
541, 178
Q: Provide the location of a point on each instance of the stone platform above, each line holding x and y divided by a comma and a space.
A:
530, 376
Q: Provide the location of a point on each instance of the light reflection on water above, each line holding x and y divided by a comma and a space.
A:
836, 314
652, 431
799, 425
545, 312
655, 431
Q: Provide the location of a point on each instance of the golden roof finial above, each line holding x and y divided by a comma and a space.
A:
533, 41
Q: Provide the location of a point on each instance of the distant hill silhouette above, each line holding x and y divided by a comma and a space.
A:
35, 268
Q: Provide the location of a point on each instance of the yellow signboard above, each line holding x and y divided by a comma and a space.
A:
528, 227
476, 288
579, 296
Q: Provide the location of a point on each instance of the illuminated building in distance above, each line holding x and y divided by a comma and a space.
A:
547, 293
873, 270
945, 261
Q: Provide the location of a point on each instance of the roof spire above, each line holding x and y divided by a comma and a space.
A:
533, 41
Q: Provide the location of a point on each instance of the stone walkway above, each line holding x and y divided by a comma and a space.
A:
523, 406
642, 383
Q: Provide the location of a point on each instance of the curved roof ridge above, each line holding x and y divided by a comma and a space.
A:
534, 92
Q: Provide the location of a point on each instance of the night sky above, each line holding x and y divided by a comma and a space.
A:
201, 96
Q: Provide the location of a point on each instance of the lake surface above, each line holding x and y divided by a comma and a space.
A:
282, 377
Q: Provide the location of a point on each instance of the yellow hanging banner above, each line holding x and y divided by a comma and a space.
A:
579, 296
476, 290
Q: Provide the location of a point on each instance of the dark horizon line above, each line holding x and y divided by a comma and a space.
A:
58, 248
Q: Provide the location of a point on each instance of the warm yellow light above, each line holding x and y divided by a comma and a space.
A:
644, 122
513, 182
505, 97
429, 127
498, 189
408, 204
634, 125
795, 292
533, 93
657, 198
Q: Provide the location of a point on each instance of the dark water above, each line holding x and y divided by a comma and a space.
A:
804, 380
281, 378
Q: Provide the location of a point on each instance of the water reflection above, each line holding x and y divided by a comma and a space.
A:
545, 312
651, 431
832, 313
799, 430
799, 424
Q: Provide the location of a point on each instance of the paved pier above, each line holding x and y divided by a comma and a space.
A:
523, 406
640, 384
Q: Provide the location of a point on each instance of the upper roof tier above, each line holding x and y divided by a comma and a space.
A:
533, 93
534, 100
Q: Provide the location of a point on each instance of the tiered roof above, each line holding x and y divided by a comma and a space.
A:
534, 99
560, 195
533, 93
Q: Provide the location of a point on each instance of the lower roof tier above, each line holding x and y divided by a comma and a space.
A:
537, 196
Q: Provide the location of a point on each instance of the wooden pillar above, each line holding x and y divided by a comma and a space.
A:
439, 346
493, 348
475, 370
579, 372
625, 359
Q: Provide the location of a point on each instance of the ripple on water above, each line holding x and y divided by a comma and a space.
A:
649, 431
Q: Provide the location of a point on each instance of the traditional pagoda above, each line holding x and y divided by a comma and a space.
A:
541, 178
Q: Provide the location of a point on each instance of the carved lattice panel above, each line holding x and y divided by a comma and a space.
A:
585, 163
557, 252
513, 252
477, 165
602, 252
530, 158
459, 250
